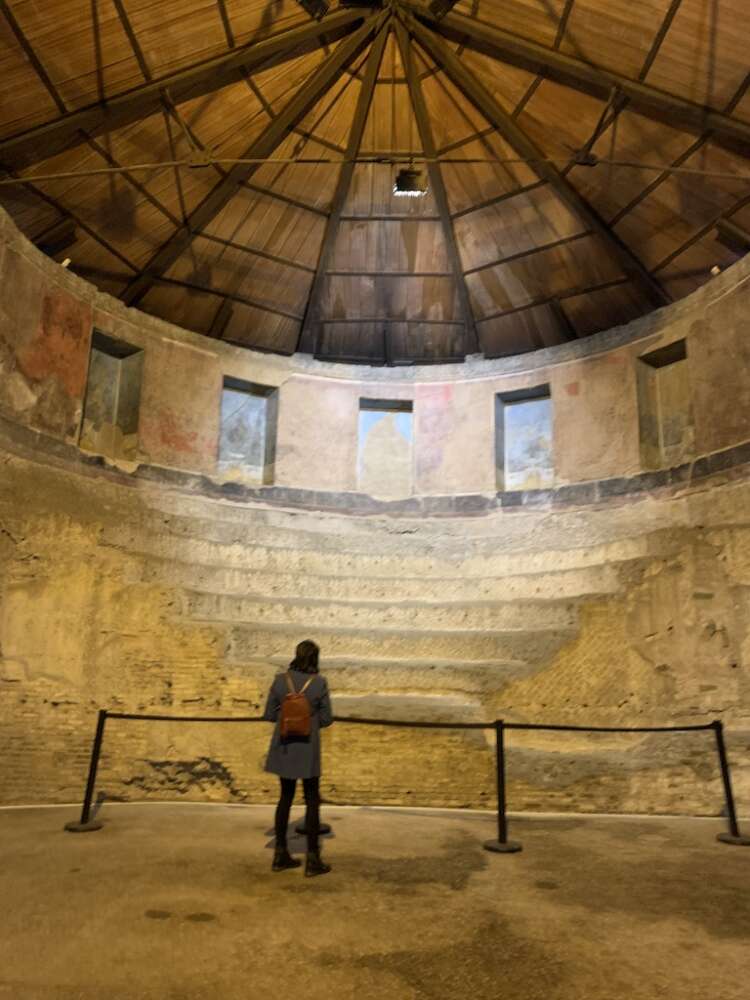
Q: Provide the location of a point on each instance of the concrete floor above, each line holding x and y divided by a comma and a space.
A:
178, 902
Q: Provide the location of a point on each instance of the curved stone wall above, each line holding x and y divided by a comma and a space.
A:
619, 596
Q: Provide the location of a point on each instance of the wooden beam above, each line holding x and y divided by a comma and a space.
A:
221, 319
481, 98
262, 147
734, 237
572, 72
308, 333
135, 45
43, 141
436, 184
31, 55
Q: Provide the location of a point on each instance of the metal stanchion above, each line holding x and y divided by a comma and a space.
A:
502, 845
734, 836
85, 825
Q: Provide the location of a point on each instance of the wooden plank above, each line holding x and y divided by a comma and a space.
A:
31, 56
505, 124
308, 332
203, 78
436, 182
593, 80
270, 138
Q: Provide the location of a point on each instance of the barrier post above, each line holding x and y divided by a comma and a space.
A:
734, 836
86, 824
502, 845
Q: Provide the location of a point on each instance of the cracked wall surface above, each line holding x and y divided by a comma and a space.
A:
144, 598
143, 585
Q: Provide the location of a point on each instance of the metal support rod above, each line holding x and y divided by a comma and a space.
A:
94, 765
502, 820
718, 728
85, 823
502, 845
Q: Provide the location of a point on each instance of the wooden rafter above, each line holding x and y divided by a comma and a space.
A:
482, 99
308, 339
135, 45
31, 55
593, 80
70, 129
436, 183
261, 148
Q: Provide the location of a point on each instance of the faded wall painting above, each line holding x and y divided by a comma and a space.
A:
385, 450
247, 436
524, 443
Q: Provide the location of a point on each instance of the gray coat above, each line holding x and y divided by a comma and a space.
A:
299, 758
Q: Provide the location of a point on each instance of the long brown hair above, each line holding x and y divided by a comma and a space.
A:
306, 657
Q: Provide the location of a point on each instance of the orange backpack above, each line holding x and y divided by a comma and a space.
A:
295, 711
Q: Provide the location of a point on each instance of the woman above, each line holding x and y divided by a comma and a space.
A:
299, 756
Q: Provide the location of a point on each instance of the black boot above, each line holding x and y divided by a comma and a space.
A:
314, 865
282, 859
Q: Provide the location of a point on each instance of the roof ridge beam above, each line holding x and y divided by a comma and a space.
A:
509, 129
50, 138
572, 72
436, 183
274, 133
308, 339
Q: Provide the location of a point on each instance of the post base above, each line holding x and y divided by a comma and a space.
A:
502, 846
727, 838
323, 829
75, 827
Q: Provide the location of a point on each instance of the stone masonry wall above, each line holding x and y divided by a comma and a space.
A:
141, 597
144, 585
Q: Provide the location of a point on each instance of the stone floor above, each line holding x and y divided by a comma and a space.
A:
178, 902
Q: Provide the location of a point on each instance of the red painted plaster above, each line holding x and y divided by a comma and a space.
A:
60, 347
573, 388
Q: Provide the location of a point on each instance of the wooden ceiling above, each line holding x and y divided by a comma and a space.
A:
587, 161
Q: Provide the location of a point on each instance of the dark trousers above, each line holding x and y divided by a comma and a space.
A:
311, 788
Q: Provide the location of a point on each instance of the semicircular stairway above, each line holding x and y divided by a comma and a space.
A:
616, 615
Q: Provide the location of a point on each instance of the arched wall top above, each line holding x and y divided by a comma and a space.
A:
47, 316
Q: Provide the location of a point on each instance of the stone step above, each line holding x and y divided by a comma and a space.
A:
368, 675
253, 643
525, 530
406, 615
226, 581
248, 556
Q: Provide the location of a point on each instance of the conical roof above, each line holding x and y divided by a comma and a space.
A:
229, 165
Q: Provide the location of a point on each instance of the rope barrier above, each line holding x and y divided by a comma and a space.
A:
501, 844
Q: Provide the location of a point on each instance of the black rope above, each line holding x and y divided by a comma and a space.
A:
424, 725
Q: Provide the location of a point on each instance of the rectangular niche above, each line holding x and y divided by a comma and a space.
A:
113, 398
523, 439
665, 413
385, 450
247, 438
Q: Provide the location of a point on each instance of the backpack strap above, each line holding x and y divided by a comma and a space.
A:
290, 684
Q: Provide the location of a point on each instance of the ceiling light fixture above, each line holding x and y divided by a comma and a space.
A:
410, 183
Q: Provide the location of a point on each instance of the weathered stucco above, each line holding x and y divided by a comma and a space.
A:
44, 342
141, 587
150, 598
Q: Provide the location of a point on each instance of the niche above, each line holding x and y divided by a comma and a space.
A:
523, 439
385, 448
113, 398
665, 413
247, 439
